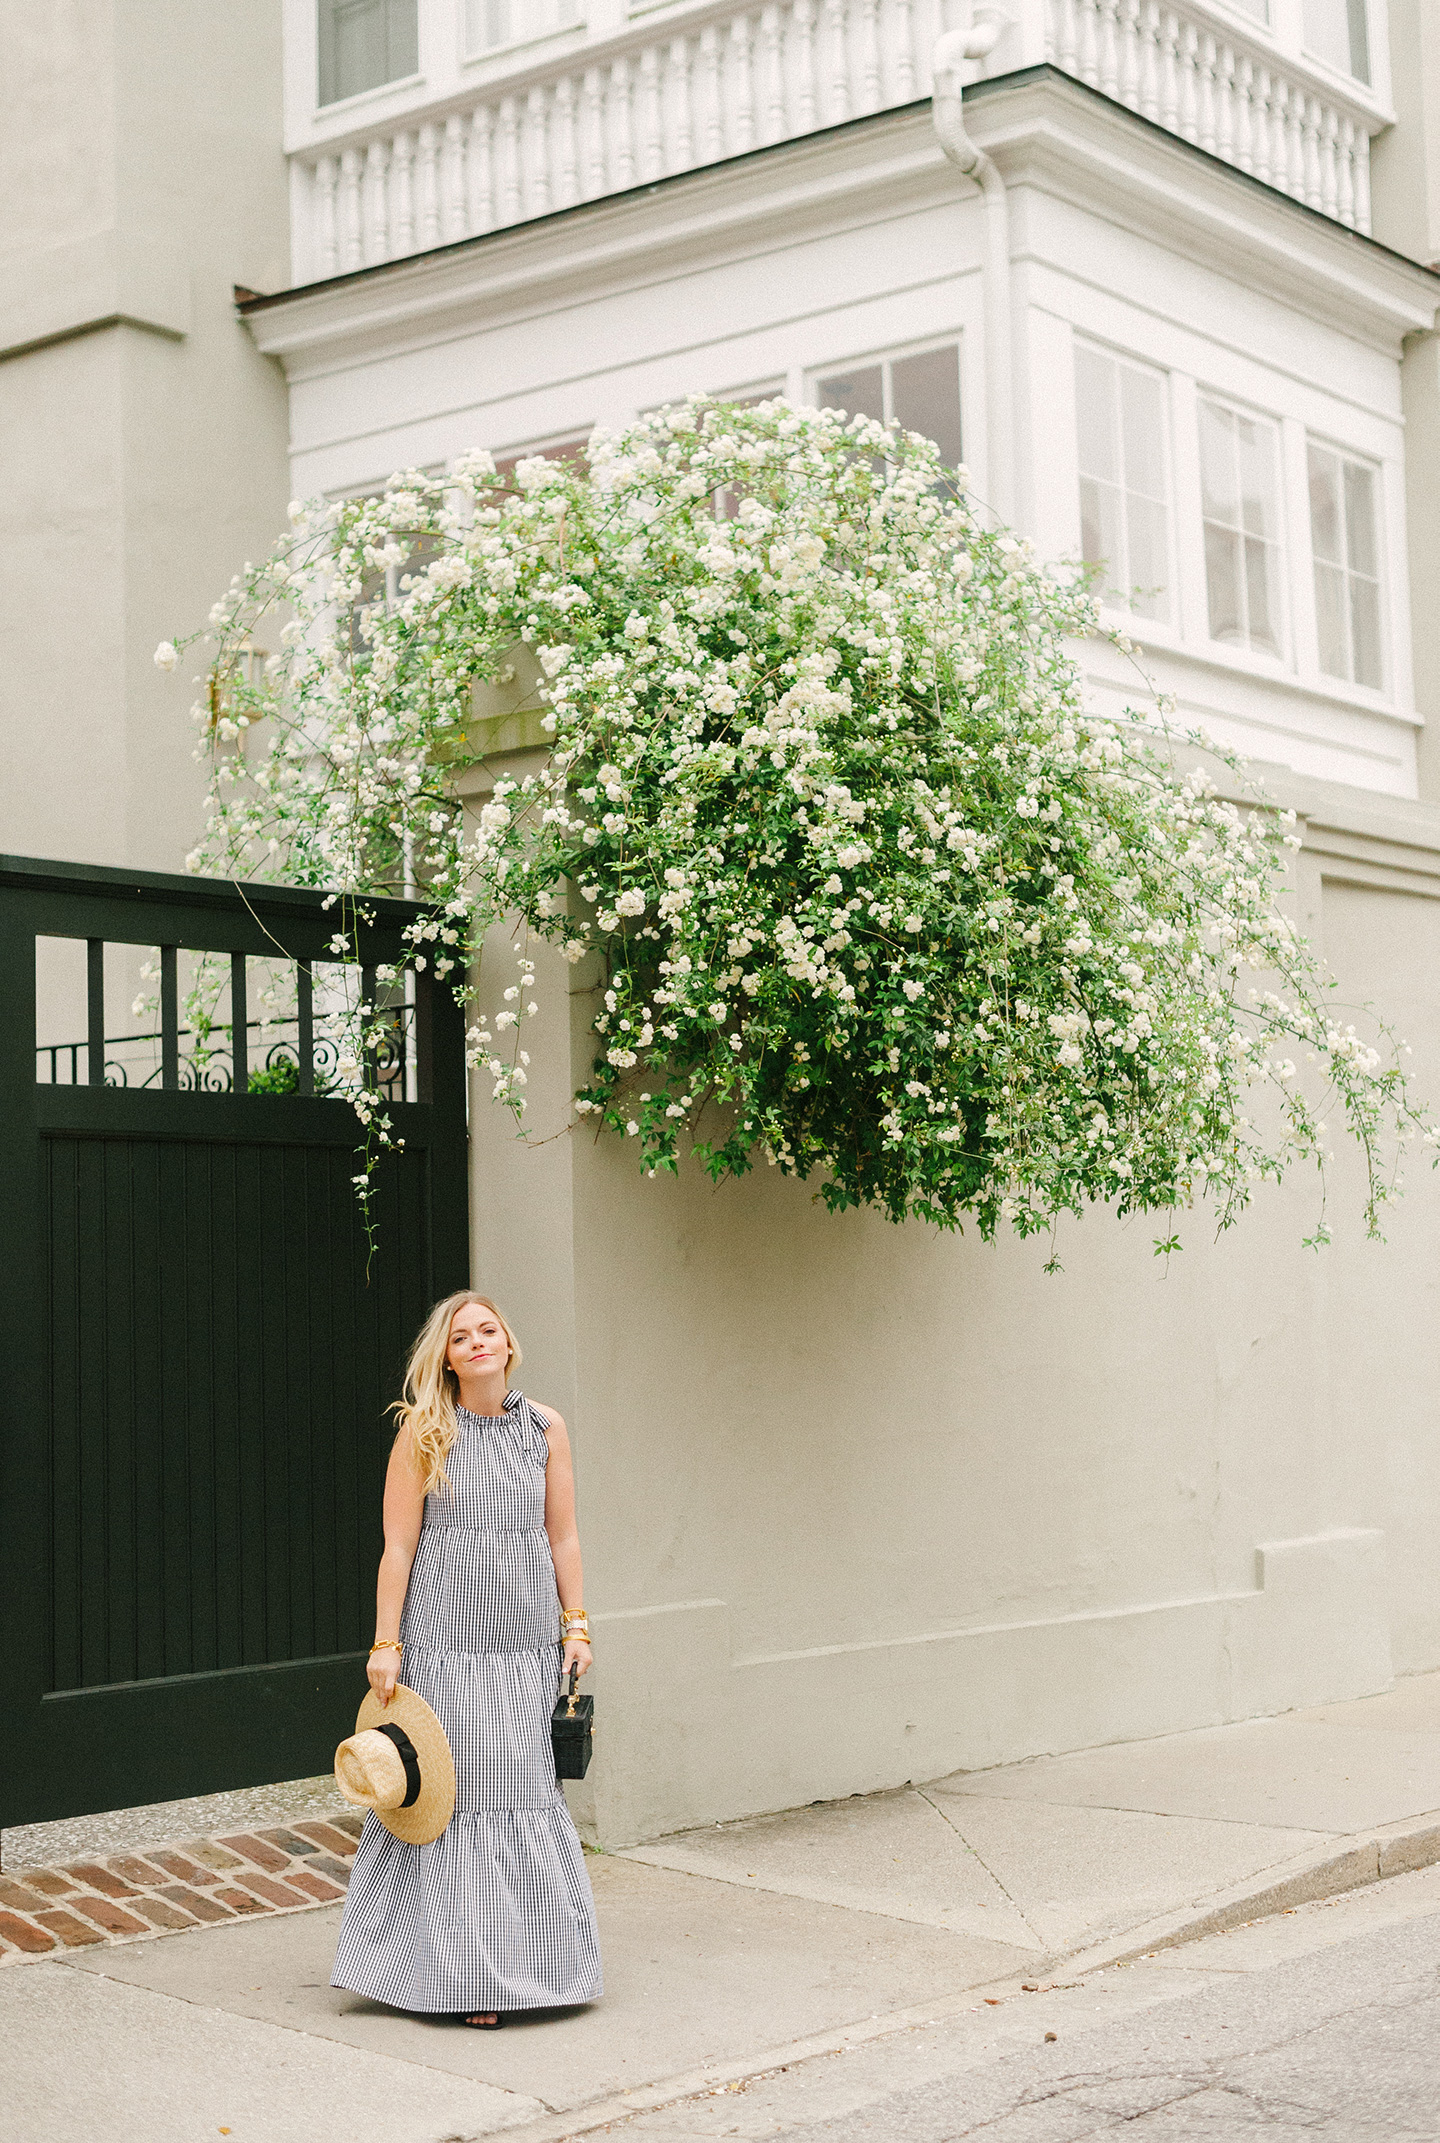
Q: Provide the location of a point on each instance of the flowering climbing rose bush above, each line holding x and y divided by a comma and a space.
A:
864, 889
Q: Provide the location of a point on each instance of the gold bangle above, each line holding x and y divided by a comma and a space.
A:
386, 1644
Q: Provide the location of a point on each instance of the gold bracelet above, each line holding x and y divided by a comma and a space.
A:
386, 1644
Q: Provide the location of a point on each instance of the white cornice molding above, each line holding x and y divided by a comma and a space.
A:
1043, 129
1052, 132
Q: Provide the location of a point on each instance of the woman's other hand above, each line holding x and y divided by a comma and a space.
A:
383, 1672
576, 1654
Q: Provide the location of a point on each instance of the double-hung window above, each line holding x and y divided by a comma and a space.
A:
1124, 488
1347, 566
364, 44
1240, 490
920, 392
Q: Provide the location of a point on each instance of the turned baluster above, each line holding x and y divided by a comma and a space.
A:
511, 197
680, 64
1062, 42
621, 127
1128, 35
352, 217
429, 189
1189, 82
480, 171
806, 97
402, 165
1225, 103
593, 106
327, 249
1362, 180
903, 39
377, 203
537, 152
772, 73
837, 28
1150, 60
652, 118
452, 179
741, 48
1345, 173
567, 151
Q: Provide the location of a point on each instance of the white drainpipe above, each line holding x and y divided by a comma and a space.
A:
951, 52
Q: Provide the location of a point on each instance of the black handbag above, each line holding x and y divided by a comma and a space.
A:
571, 1725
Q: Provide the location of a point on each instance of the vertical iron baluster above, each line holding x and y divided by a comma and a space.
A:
239, 1023
94, 1009
305, 1019
169, 1019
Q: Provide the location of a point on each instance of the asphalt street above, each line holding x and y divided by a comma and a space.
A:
1322, 2023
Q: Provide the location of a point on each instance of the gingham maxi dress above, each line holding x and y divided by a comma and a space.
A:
496, 1913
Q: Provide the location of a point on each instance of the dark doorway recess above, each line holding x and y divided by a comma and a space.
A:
200, 1346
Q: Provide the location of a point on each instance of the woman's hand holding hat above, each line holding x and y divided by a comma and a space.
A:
383, 1669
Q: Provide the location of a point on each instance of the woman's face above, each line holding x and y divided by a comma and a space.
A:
477, 1340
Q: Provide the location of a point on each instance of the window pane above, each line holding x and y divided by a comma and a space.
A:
1217, 464
1326, 529
1260, 595
1095, 414
1365, 632
1142, 413
1330, 620
1103, 535
1257, 476
1222, 576
1149, 559
925, 397
1360, 519
1337, 31
862, 393
364, 43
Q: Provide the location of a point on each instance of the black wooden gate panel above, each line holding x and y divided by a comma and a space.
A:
200, 1351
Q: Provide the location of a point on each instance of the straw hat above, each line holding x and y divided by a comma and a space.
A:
398, 1762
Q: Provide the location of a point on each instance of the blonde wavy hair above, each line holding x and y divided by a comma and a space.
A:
425, 1415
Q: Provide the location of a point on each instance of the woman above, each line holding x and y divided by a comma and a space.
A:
478, 1610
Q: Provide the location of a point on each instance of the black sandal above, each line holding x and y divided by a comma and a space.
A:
483, 2020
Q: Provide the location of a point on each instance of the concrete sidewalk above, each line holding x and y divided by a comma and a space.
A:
739, 1949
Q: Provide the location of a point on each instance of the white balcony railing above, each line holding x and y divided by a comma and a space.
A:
1229, 93
710, 85
663, 96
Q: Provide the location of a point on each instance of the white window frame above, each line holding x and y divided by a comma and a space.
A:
1284, 656
1168, 627
387, 88
474, 52
953, 339
1385, 593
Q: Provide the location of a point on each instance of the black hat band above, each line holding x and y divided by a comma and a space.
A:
408, 1757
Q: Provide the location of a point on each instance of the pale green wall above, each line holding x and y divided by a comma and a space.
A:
862, 1504
145, 436
1406, 208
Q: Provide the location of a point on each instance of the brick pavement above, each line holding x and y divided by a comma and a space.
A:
130, 1897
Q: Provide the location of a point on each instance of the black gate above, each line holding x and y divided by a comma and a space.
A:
200, 1344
